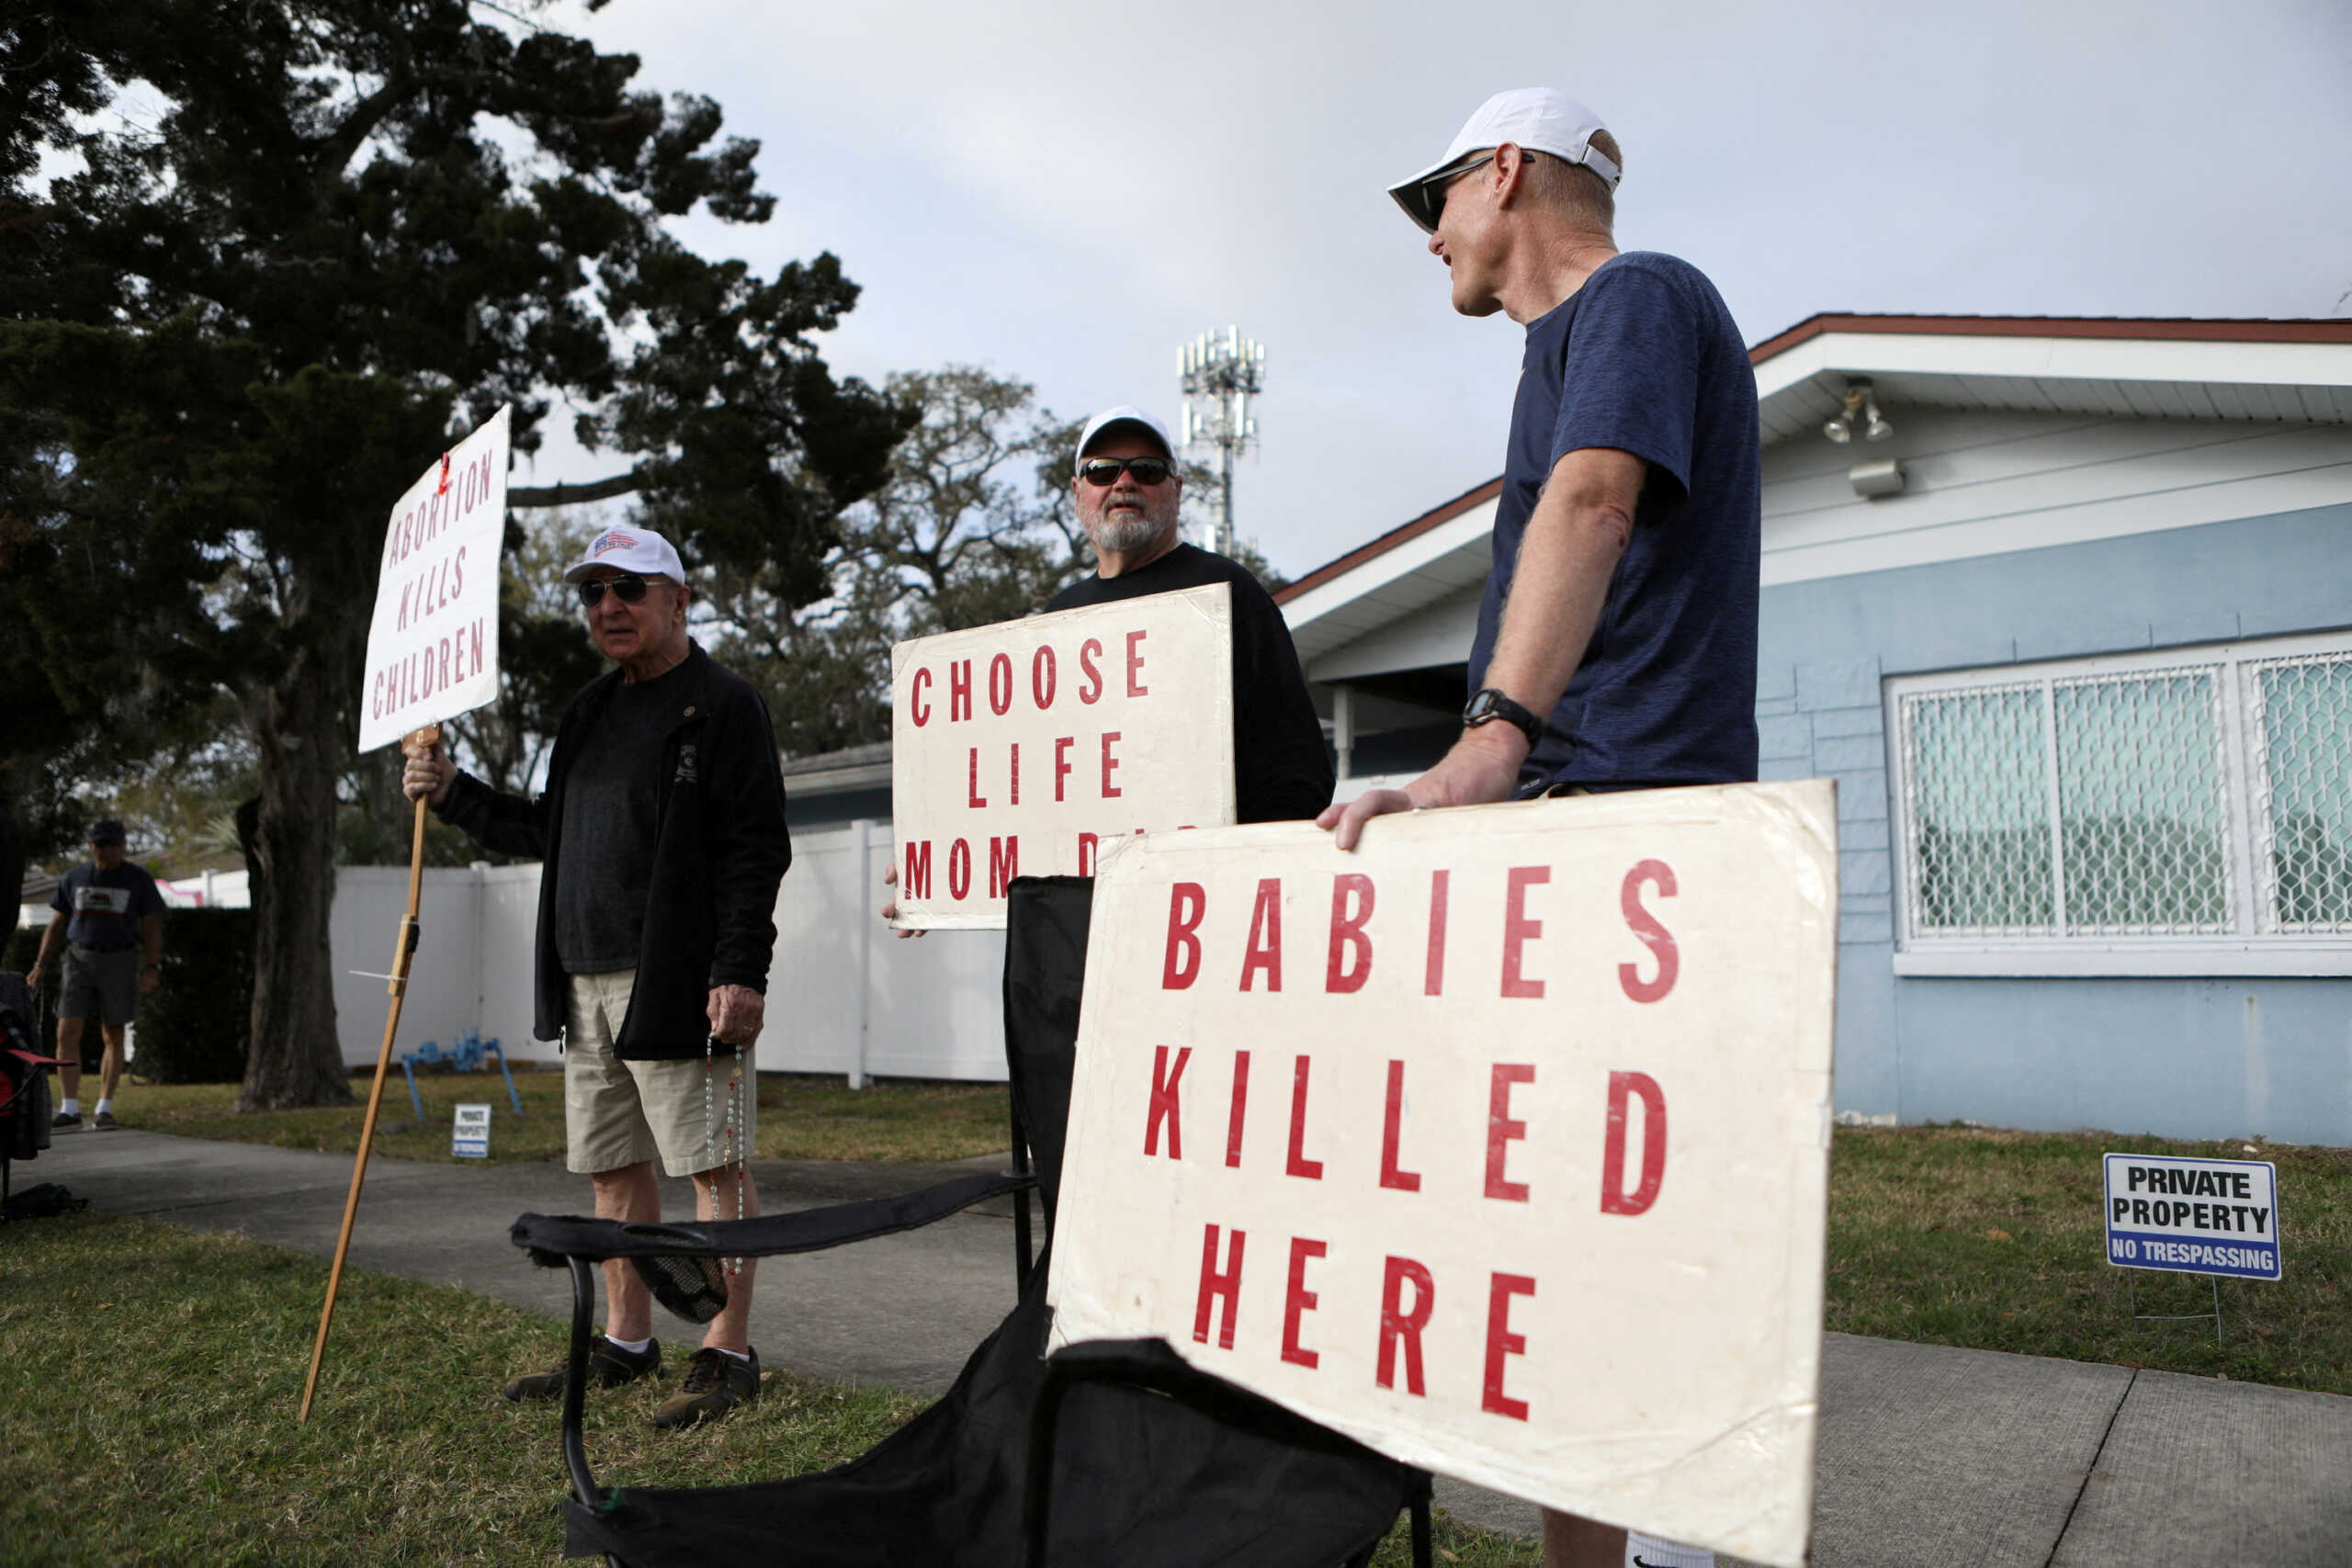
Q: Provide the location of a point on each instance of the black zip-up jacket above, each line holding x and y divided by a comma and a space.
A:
720, 848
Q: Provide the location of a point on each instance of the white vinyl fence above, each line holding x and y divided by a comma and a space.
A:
844, 995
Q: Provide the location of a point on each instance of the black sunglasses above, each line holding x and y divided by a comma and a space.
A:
628, 590
1105, 471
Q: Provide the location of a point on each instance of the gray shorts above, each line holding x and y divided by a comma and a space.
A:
104, 985
690, 1113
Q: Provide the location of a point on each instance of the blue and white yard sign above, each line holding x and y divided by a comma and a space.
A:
2193, 1216
470, 1137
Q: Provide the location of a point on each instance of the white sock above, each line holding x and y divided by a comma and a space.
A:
736, 1354
106, 1104
634, 1347
69, 1106
1652, 1552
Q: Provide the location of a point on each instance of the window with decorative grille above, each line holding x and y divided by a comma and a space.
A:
2189, 811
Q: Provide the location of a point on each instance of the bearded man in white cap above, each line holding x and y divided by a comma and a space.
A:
661, 838
1616, 643
1128, 491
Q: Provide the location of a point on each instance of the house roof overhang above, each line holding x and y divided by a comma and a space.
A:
2124, 368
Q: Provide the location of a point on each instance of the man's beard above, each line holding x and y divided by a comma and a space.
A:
1125, 534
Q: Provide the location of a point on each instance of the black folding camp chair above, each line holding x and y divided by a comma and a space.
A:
24, 1104
1109, 1455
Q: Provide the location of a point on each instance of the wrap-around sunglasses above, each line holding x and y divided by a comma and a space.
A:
1105, 471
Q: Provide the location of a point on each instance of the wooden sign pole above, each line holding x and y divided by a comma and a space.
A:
397, 984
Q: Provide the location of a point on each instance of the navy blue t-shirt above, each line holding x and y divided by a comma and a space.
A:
106, 907
1646, 358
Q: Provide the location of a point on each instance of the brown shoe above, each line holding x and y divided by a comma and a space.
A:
608, 1365
716, 1383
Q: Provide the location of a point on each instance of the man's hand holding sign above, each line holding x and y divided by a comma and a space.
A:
1499, 1144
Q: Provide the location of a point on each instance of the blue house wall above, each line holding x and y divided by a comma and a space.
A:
2191, 1057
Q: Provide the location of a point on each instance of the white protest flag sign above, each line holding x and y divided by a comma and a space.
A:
1020, 749
1499, 1144
433, 645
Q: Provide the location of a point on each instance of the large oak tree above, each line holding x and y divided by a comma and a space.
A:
260, 261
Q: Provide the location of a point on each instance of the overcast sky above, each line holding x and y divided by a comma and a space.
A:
1065, 192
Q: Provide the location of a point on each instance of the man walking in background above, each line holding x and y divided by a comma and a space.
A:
1616, 643
661, 837
109, 920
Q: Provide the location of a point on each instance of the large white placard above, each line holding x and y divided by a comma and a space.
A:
1500, 1144
1020, 749
433, 645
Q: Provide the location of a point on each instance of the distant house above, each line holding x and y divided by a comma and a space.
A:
2076, 640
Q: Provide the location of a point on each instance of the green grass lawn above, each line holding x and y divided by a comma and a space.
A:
1994, 1241
148, 1408
801, 1117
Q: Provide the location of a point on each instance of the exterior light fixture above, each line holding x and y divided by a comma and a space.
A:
1860, 410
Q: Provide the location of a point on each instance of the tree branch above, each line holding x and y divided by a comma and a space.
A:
573, 495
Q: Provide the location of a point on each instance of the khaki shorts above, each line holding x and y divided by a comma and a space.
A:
619, 1114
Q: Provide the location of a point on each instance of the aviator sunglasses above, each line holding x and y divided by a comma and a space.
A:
628, 590
1105, 471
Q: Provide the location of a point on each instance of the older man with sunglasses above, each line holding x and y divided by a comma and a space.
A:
1128, 492
661, 835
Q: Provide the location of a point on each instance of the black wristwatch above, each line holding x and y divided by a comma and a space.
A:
1490, 705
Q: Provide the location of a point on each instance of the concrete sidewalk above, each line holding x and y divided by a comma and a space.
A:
1928, 1456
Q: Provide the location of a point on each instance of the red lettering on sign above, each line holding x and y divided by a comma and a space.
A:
1646, 926
1614, 1199
1501, 1342
1000, 684
1086, 842
477, 641
1088, 652
1136, 687
1401, 1328
1187, 901
1433, 967
1110, 763
959, 869
457, 573
959, 690
1165, 1107
1015, 748
1265, 949
1502, 1131
1298, 1164
1391, 1126
1234, 1117
1519, 930
1298, 1301
1215, 1286
1004, 864
914, 877
917, 709
972, 795
1348, 964
1061, 761
1044, 675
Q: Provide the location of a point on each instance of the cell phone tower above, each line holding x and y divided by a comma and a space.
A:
1220, 375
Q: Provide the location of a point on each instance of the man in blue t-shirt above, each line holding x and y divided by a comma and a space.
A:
1616, 643
109, 920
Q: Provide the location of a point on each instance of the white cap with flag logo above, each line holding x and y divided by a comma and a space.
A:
1539, 119
640, 550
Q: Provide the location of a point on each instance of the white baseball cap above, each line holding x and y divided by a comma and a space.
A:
1126, 413
1537, 118
640, 550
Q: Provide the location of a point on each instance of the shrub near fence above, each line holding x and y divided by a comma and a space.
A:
192, 1027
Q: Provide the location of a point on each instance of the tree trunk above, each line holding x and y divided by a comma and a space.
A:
296, 1057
